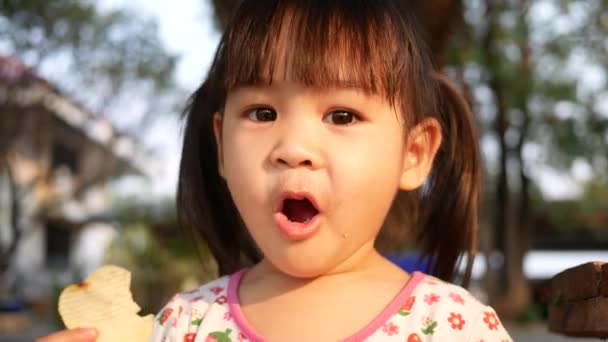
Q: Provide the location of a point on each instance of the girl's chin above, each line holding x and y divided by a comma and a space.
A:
304, 265
315, 260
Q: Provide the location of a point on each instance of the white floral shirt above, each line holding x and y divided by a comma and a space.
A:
426, 309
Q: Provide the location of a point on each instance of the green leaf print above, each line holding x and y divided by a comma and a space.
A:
222, 336
403, 312
430, 329
197, 321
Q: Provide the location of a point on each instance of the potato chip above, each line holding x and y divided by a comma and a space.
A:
104, 301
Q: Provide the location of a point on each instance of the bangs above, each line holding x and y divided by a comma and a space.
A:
319, 44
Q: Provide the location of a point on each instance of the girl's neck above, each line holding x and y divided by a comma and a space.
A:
366, 263
368, 281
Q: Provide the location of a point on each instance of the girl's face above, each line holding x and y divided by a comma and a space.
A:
313, 172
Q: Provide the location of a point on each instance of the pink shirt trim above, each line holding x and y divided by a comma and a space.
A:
368, 330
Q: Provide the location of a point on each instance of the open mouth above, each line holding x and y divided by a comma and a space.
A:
299, 210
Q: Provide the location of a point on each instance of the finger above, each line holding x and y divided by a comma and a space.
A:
73, 335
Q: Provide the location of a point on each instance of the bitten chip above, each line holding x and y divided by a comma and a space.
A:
104, 301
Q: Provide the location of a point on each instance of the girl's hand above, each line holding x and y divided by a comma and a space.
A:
73, 335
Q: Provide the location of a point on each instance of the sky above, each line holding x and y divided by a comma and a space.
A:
187, 30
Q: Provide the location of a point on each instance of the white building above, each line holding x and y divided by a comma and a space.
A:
56, 160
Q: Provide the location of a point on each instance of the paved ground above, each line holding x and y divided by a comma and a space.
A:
535, 333
538, 333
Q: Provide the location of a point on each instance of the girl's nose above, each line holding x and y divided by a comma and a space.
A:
296, 150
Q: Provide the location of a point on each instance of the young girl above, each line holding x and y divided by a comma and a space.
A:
321, 131
314, 116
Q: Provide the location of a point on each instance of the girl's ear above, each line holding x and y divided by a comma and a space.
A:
421, 146
217, 132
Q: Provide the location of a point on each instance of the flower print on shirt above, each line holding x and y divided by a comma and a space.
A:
217, 290
456, 298
431, 298
456, 321
491, 320
221, 300
390, 329
439, 312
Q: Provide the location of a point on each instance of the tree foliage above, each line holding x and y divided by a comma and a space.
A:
536, 70
102, 58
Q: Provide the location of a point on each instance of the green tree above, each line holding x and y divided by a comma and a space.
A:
537, 111
102, 58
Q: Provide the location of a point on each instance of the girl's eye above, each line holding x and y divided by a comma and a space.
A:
341, 117
262, 114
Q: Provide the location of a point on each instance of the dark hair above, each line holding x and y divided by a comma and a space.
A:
374, 45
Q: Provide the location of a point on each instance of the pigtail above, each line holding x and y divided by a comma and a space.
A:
450, 198
204, 205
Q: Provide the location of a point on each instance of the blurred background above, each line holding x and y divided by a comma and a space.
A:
90, 99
